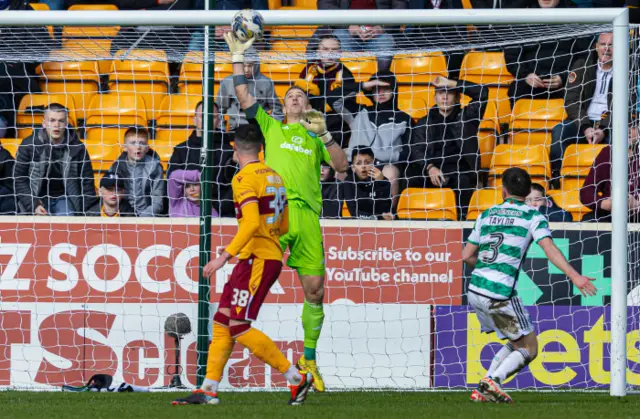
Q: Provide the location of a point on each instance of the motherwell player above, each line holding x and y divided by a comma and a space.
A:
261, 209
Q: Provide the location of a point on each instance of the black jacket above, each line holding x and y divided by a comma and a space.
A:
32, 160
331, 205
451, 143
186, 156
137, 4
365, 198
7, 196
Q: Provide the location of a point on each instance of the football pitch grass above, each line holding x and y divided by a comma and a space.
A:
566, 405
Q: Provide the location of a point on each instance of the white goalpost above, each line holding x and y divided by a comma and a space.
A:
375, 304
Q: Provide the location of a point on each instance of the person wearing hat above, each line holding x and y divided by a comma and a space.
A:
112, 190
383, 127
444, 144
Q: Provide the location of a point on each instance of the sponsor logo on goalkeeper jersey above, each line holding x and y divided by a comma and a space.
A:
574, 346
296, 148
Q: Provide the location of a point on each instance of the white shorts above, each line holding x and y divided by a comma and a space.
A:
508, 318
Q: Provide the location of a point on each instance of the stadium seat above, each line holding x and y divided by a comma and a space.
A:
570, 202
31, 111
483, 199
144, 73
43, 7
416, 107
430, 204
291, 46
345, 210
93, 7
165, 142
191, 72
77, 79
106, 32
104, 146
91, 49
420, 68
490, 69
297, 4
11, 145
280, 68
487, 132
533, 159
533, 119
577, 162
177, 112
362, 67
424, 92
295, 32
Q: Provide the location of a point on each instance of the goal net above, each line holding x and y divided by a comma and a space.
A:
109, 119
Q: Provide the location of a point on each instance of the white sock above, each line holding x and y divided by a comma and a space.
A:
501, 355
210, 386
139, 389
514, 363
293, 376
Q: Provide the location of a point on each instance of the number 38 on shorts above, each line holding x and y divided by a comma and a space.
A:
248, 287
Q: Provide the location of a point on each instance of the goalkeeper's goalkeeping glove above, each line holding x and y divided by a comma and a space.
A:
237, 47
314, 122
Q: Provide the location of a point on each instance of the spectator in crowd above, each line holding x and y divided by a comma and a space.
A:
260, 86
322, 76
500, 4
596, 190
7, 195
539, 200
383, 127
186, 156
140, 169
331, 205
540, 68
113, 202
127, 4
53, 173
587, 102
184, 194
365, 190
444, 144
374, 39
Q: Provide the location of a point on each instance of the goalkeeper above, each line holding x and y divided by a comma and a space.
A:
296, 150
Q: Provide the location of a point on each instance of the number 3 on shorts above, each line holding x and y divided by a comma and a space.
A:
278, 202
240, 297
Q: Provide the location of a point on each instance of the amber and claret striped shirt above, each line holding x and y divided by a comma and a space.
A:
260, 200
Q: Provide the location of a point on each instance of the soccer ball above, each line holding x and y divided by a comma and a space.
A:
247, 24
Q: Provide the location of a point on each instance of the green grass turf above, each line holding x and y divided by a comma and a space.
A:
368, 405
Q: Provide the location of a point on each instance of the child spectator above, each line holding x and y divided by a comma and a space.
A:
183, 189
324, 75
365, 189
7, 195
260, 86
383, 127
331, 205
112, 197
141, 171
539, 200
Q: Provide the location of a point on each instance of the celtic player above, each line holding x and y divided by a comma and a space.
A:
495, 249
295, 150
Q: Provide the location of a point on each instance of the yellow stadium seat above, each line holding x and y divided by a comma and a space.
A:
104, 146
533, 119
31, 111
108, 32
281, 69
487, 132
93, 7
362, 67
423, 92
144, 73
292, 46
570, 202
191, 71
577, 162
116, 110
77, 79
166, 140
345, 213
416, 107
291, 31
91, 49
177, 111
40, 7
488, 68
483, 199
430, 204
11, 145
534, 159
420, 68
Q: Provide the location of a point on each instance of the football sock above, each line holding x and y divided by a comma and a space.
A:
512, 364
312, 319
293, 375
262, 347
210, 386
219, 349
500, 356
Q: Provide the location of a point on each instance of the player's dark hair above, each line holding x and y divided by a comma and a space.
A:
364, 151
56, 107
198, 105
248, 139
329, 35
538, 187
517, 182
296, 88
137, 131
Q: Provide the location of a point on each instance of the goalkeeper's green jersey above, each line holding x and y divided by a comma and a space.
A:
296, 154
